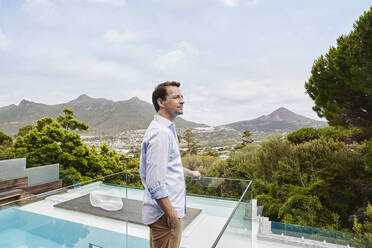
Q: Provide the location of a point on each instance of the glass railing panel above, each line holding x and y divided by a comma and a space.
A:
216, 199
12, 168
308, 234
237, 231
224, 188
259, 210
42, 174
137, 233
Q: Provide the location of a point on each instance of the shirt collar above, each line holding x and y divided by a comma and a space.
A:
163, 120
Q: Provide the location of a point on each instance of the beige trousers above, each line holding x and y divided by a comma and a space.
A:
161, 236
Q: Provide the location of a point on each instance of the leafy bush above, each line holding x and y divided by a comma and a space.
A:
346, 135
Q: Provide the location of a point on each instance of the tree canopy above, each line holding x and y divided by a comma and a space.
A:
52, 141
192, 144
5, 139
246, 139
68, 121
341, 80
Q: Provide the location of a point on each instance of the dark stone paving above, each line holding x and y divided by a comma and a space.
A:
131, 211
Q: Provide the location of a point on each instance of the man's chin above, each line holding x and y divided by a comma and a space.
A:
177, 114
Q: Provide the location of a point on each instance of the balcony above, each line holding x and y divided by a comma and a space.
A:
220, 213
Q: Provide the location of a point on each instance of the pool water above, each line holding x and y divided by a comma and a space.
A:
23, 229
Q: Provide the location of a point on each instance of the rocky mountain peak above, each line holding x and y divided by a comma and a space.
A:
24, 102
133, 100
282, 110
281, 114
83, 97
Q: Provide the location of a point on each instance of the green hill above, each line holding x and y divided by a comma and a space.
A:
282, 120
104, 117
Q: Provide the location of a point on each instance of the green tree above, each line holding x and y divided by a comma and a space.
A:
68, 121
347, 135
5, 140
192, 144
246, 139
24, 130
303, 135
366, 149
341, 81
211, 152
363, 229
321, 182
5, 145
202, 163
48, 142
268, 156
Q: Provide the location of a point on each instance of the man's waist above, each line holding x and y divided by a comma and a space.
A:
176, 199
150, 209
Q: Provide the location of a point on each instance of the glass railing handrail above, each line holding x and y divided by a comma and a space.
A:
223, 178
214, 178
231, 216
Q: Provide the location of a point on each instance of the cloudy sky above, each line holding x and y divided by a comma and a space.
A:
236, 59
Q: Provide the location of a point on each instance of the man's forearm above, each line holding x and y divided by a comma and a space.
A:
165, 205
187, 171
192, 173
169, 211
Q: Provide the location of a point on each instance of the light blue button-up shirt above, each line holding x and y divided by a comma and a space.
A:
161, 170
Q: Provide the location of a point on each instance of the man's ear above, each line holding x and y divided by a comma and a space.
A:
160, 102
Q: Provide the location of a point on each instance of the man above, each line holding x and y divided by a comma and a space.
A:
162, 173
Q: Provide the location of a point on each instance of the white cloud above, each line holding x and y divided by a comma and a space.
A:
230, 3
235, 3
53, 97
110, 2
4, 42
61, 79
239, 90
16, 96
252, 2
115, 36
269, 90
171, 59
96, 70
39, 8
188, 48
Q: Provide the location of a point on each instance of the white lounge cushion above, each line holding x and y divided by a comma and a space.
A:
105, 201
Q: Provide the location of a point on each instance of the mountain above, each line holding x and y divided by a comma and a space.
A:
104, 117
282, 120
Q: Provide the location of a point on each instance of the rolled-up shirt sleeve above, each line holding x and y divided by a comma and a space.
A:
157, 164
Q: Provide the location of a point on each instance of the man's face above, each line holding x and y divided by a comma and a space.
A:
173, 104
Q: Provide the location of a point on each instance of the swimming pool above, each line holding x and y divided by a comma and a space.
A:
23, 229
